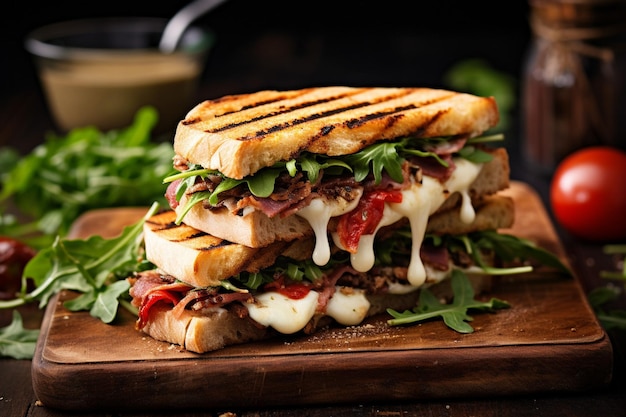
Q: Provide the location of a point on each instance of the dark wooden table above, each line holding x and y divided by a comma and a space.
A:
24, 121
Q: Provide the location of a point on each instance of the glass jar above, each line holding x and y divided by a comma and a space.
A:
574, 79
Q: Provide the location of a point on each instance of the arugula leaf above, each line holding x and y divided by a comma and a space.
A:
16, 341
304, 270
509, 248
378, 156
101, 302
475, 155
455, 315
261, 184
95, 267
310, 165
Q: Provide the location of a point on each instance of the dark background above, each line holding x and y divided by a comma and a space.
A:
291, 44
280, 44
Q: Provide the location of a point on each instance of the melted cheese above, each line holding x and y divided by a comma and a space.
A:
418, 202
348, 307
433, 276
284, 314
318, 214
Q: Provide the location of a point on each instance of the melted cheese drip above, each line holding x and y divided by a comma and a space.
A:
348, 307
318, 214
418, 203
284, 314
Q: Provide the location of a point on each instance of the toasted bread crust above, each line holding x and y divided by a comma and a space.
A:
203, 260
240, 134
492, 212
202, 332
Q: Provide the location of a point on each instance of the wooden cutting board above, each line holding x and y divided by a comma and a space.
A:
549, 340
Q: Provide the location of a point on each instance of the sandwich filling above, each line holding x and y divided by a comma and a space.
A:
292, 295
368, 216
347, 197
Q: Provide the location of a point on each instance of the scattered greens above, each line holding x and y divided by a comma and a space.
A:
306, 270
455, 315
600, 297
95, 267
16, 341
86, 169
508, 248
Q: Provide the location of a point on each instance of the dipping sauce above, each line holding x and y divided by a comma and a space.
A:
108, 93
99, 72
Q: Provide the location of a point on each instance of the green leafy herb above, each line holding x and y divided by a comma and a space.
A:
455, 315
16, 341
511, 250
375, 158
86, 169
305, 270
476, 76
600, 297
95, 267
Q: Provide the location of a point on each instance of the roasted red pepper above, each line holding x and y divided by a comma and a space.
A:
153, 298
293, 290
364, 219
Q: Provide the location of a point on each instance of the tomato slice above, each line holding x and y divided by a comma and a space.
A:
293, 290
364, 219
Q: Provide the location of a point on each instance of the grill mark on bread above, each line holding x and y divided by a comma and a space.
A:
392, 117
315, 116
164, 226
421, 129
283, 110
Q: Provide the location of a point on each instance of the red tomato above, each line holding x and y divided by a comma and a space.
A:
588, 196
14, 255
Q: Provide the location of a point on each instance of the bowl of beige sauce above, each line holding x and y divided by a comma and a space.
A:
99, 72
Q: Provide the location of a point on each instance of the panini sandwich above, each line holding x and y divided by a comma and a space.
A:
294, 209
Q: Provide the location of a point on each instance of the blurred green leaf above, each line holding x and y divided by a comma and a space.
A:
477, 77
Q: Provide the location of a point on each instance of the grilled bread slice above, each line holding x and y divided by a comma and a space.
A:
240, 134
200, 259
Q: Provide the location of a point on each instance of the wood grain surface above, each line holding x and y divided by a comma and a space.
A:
548, 341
